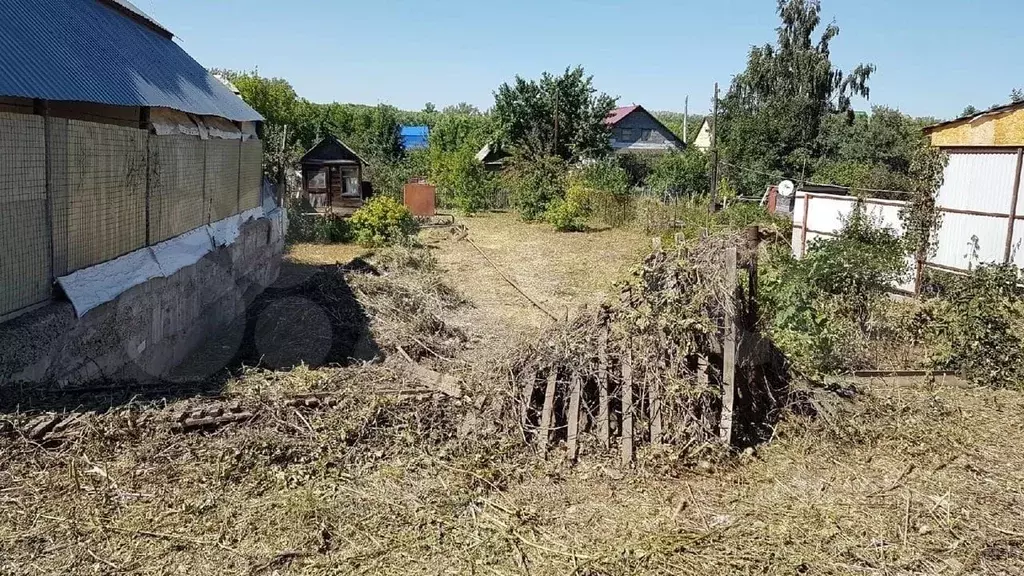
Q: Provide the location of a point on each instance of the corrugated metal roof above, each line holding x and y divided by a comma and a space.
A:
126, 5
86, 51
618, 114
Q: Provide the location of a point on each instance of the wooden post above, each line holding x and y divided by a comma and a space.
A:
753, 241
713, 207
548, 414
654, 406
529, 383
627, 405
729, 349
574, 416
602, 383
803, 225
1013, 207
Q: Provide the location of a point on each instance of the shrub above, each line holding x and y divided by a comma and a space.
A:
975, 325
461, 180
535, 183
680, 173
329, 229
821, 308
382, 221
570, 214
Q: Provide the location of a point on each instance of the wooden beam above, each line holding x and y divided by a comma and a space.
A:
729, 350
574, 416
627, 405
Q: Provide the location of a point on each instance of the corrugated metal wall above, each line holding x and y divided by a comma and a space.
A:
975, 202
74, 194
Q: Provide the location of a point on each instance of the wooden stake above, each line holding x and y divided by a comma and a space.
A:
655, 408
602, 385
529, 383
574, 415
627, 406
547, 415
729, 350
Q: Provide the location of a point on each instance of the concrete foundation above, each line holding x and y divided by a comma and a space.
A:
147, 331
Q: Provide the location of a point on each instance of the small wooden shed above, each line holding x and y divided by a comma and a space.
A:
332, 176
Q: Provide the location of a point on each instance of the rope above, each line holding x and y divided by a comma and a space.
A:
510, 282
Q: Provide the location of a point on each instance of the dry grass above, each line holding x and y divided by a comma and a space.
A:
561, 271
914, 479
320, 254
909, 477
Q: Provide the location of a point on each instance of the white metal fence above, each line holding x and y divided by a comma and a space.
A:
979, 203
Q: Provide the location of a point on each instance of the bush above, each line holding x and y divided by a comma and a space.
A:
823, 309
680, 173
329, 229
535, 183
570, 214
975, 325
461, 180
382, 221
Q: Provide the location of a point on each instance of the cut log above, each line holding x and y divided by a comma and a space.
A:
529, 384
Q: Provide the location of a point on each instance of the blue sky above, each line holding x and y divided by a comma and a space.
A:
934, 57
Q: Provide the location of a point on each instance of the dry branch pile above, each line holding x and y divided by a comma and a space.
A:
649, 368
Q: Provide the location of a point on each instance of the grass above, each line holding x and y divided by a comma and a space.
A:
908, 477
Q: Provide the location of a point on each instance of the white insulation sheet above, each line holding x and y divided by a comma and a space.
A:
90, 287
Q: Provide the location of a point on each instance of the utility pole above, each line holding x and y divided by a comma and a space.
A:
713, 206
686, 115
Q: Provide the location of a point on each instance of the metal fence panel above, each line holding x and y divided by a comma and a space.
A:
222, 169
176, 175
107, 187
24, 236
250, 176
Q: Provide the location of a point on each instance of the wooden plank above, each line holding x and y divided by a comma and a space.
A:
602, 386
574, 415
654, 406
627, 406
729, 350
529, 383
548, 413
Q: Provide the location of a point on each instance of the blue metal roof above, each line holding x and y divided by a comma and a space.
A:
414, 137
86, 51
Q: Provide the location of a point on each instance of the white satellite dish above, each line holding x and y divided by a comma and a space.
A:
786, 188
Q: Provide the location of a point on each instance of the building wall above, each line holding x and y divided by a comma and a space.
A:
149, 329
1000, 129
640, 132
703, 140
75, 193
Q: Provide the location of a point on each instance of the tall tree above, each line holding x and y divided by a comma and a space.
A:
773, 112
384, 137
554, 116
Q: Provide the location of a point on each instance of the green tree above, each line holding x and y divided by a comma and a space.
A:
772, 115
383, 135
680, 173
1016, 95
429, 108
528, 111
460, 179
970, 110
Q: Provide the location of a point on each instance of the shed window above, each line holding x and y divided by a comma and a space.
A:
645, 135
627, 135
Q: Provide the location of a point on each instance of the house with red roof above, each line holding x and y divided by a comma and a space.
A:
634, 129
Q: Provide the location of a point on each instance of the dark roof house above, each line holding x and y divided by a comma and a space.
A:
634, 129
